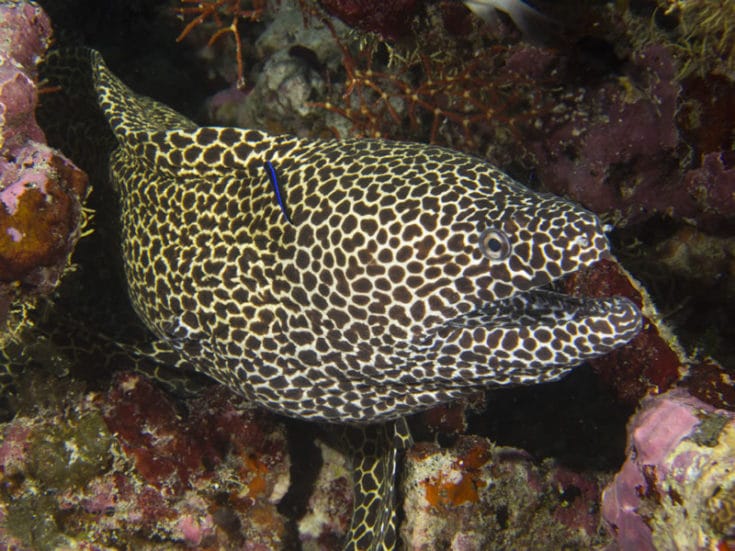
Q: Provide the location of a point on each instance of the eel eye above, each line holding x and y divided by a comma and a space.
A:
494, 244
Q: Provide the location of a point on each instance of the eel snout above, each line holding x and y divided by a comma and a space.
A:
623, 318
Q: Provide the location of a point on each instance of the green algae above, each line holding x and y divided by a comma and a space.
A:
708, 431
32, 519
69, 455
63, 454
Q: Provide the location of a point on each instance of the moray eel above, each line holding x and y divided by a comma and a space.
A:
353, 281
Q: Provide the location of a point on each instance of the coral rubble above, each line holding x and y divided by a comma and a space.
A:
294, 56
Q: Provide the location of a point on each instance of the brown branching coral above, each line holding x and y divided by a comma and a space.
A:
226, 15
437, 89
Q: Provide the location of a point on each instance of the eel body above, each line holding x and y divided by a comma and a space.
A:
404, 276
353, 281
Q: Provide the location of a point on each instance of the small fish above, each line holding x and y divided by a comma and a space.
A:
533, 24
270, 169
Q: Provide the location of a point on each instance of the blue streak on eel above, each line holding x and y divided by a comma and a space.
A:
270, 169
411, 275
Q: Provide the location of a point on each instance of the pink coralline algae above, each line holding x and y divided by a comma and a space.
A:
41, 191
712, 186
622, 160
621, 150
676, 489
391, 20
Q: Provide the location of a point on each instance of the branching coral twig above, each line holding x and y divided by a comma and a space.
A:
219, 11
432, 95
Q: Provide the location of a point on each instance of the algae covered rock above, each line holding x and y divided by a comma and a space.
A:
41, 191
676, 489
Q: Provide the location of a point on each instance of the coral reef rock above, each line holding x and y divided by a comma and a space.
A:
476, 496
129, 468
676, 489
41, 191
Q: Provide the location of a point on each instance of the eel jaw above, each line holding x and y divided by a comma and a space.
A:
538, 335
615, 320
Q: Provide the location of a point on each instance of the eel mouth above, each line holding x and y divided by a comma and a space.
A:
547, 307
569, 329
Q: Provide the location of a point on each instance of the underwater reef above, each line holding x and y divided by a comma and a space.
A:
625, 107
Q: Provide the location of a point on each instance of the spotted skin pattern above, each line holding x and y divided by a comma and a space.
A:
378, 301
374, 516
405, 275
